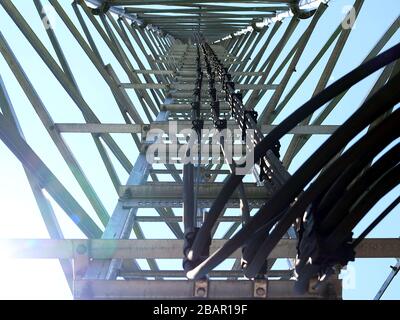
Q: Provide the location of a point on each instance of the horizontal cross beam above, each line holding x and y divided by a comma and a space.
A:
184, 289
162, 248
139, 128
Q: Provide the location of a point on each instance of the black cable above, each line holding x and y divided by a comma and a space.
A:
313, 244
378, 220
373, 108
339, 187
374, 141
389, 181
300, 114
380, 189
369, 177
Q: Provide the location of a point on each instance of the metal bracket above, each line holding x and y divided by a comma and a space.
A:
201, 289
145, 130
253, 114
81, 259
261, 288
221, 124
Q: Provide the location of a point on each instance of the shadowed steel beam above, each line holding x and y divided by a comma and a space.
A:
202, 20
207, 9
178, 2
109, 38
166, 248
160, 77
138, 128
214, 274
304, 76
178, 289
172, 190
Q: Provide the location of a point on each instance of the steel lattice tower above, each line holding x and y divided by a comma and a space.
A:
199, 68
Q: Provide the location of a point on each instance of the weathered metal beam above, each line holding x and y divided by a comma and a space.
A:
162, 248
132, 275
185, 2
177, 203
180, 218
206, 9
155, 17
184, 289
191, 87
138, 128
172, 190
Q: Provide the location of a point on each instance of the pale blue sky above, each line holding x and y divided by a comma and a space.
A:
20, 215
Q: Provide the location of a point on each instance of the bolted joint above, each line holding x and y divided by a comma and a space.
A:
198, 125
276, 149
221, 124
201, 289
196, 105
238, 96
188, 240
260, 288
229, 84
265, 172
251, 114
213, 94
215, 107
395, 269
255, 27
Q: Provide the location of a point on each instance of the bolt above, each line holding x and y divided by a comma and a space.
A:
260, 292
81, 249
201, 292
